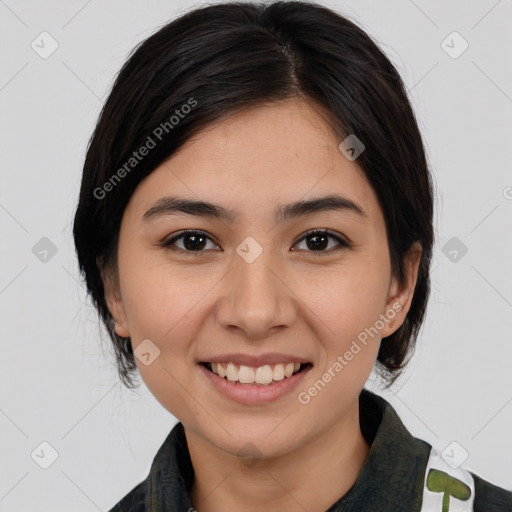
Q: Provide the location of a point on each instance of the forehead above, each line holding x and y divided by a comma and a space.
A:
262, 157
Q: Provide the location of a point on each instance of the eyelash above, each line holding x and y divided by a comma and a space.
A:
343, 243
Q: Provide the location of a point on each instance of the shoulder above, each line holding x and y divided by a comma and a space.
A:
490, 497
449, 487
168, 482
134, 501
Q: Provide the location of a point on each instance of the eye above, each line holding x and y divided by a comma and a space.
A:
320, 240
193, 241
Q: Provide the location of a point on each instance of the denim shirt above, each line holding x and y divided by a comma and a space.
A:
401, 474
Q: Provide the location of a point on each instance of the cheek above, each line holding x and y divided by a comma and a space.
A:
160, 307
158, 299
347, 301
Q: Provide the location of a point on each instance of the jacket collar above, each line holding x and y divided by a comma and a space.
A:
391, 477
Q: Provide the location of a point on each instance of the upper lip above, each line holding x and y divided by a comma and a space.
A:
255, 361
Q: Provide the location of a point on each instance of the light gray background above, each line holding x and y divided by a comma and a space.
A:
58, 381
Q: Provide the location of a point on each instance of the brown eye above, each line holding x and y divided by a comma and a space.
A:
192, 241
318, 240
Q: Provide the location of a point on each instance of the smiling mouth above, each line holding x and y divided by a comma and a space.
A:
263, 375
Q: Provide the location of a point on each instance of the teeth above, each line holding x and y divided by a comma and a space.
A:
263, 375
278, 373
246, 375
232, 372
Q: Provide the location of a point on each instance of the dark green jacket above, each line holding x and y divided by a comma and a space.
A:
401, 474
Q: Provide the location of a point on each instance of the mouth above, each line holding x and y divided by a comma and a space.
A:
266, 375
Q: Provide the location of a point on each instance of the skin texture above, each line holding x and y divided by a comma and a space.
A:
303, 301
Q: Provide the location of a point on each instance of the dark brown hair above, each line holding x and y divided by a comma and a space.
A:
227, 57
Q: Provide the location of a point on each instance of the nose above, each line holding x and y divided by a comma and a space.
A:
256, 298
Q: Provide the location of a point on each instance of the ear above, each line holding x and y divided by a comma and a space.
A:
400, 297
115, 303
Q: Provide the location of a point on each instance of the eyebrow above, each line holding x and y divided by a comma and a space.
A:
170, 205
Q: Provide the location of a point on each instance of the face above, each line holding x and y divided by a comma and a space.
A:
255, 286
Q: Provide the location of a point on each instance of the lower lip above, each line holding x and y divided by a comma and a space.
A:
254, 394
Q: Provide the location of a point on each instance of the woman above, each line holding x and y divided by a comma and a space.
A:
255, 229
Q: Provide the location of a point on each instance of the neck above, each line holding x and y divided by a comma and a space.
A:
312, 477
